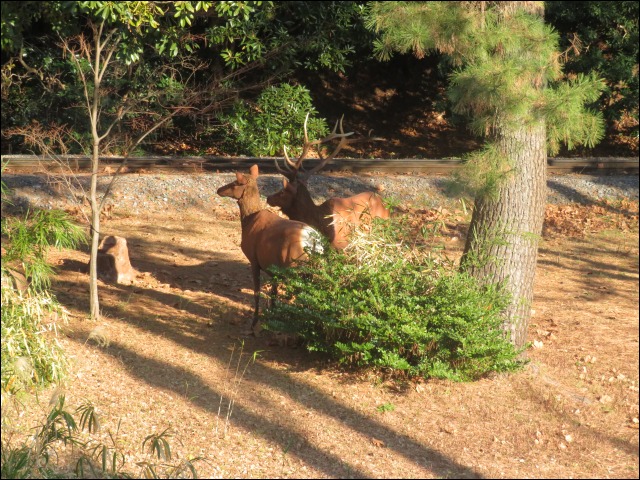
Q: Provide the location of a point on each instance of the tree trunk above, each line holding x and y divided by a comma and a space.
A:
94, 303
502, 244
94, 115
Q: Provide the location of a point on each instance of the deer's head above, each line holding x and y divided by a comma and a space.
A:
285, 197
242, 183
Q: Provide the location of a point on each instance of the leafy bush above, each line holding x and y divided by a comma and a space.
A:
275, 121
29, 357
29, 239
389, 302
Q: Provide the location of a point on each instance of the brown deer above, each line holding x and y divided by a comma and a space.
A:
335, 216
267, 239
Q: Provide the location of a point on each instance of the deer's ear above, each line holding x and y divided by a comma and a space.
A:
241, 178
285, 182
254, 171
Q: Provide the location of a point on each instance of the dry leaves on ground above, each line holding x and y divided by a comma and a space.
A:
575, 220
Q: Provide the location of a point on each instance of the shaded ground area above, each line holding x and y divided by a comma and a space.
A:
166, 353
403, 101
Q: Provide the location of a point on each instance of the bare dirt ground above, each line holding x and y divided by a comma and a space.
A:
168, 347
170, 352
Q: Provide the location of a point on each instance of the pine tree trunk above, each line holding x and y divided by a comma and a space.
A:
502, 244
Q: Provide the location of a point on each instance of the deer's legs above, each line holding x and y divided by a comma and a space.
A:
274, 293
255, 272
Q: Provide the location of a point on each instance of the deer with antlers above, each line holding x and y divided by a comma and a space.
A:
267, 239
335, 216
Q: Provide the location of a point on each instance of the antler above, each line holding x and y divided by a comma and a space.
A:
295, 167
343, 141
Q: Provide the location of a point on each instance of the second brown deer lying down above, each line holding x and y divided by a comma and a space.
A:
267, 239
335, 217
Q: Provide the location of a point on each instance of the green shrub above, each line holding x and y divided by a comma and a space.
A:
389, 302
30, 357
277, 120
33, 457
28, 240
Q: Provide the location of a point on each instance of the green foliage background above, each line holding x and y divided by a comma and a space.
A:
248, 46
275, 121
607, 43
162, 50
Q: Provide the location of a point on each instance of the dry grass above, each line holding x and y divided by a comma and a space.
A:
163, 358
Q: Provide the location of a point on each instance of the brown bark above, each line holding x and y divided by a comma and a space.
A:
502, 245
94, 112
94, 303
511, 8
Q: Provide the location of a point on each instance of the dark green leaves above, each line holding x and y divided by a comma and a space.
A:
276, 121
397, 310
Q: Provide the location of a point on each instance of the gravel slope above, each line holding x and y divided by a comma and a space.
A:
137, 193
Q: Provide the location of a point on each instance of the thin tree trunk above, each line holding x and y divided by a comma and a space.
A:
94, 302
502, 244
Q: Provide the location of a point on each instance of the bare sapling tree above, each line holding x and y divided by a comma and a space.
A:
94, 58
98, 67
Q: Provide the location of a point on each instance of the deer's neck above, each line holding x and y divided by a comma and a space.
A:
249, 203
305, 210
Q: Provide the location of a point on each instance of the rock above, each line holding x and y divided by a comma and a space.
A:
113, 261
15, 279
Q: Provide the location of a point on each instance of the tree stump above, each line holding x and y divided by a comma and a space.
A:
113, 261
